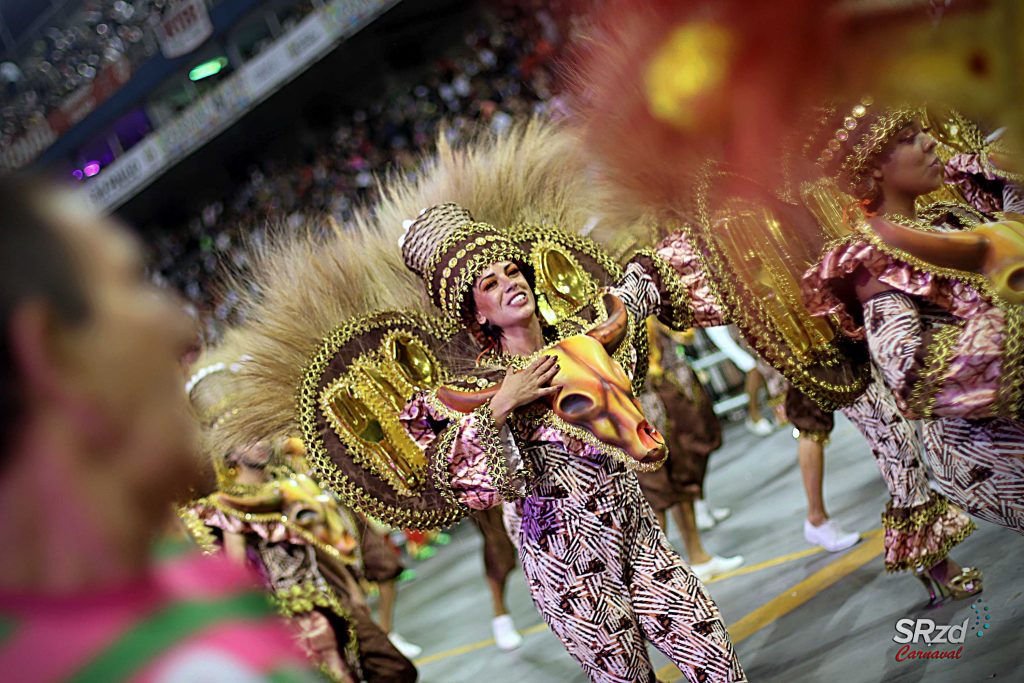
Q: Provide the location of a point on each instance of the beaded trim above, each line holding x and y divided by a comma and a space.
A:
751, 314
304, 597
570, 240
919, 518
441, 448
817, 436
276, 518
359, 381
562, 305
485, 244
842, 134
550, 419
863, 231
855, 162
301, 598
965, 213
468, 232
466, 265
940, 354
641, 346
199, 532
494, 453
1011, 384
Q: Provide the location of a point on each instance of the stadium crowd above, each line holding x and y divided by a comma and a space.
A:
71, 53
77, 46
503, 69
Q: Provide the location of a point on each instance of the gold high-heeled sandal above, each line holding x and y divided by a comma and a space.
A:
964, 585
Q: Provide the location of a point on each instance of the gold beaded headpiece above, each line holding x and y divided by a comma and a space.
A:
446, 247
846, 139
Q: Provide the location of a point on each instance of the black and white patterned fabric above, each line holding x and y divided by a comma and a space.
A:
605, 578
638, 292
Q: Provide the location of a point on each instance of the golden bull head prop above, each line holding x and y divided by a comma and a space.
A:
596, 394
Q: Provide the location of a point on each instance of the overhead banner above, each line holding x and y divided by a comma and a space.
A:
184, 26
131, 173
204, 118
289, 55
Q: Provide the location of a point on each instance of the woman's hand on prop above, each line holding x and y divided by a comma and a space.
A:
522, 387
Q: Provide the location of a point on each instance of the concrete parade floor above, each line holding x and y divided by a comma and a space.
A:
796, 613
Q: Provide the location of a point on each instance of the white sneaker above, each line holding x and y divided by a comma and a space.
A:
830, 536
703, 515
505, 634
761, 427
409, 650
719, 514
715, 566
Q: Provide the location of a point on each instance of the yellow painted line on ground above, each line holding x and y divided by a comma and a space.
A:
473, 647
794, 597
773, 562
537, 628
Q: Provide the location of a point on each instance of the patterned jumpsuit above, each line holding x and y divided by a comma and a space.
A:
600, 570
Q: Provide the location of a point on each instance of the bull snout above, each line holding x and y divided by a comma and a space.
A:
651, 440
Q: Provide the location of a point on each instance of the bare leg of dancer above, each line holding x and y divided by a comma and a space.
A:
812, 469
685, 519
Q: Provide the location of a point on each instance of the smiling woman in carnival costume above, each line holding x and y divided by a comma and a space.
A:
508, 380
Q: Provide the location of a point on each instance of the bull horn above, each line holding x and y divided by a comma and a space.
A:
959, 250
613, 330
465, 401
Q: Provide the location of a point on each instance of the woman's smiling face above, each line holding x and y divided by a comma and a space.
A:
502, 296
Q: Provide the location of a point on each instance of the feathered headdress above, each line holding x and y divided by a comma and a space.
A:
303, 283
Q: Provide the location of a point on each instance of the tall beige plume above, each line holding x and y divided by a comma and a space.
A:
304, 283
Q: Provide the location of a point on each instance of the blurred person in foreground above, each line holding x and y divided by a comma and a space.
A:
97, 445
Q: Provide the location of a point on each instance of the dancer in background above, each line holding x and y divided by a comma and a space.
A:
721, 337
934, 295
269, 514
679, 406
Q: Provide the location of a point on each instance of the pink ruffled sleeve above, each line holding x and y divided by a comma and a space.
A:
678, 251
960, 367
480, 463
